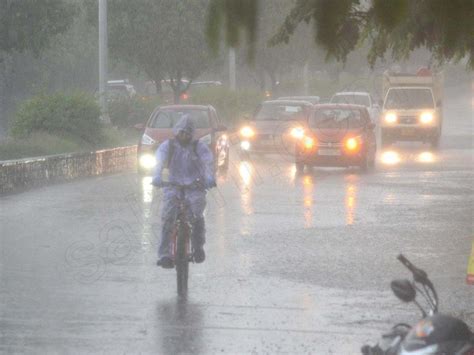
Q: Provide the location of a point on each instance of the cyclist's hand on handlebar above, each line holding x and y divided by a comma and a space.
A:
210, 183
157, 182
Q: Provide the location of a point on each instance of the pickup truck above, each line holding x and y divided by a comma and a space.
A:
411, 108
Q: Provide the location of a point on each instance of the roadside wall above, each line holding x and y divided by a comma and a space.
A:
31, 172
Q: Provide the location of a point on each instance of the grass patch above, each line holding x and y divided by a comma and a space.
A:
42, 143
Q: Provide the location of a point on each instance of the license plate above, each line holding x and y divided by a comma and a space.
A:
331, 152
407, 132
265, 143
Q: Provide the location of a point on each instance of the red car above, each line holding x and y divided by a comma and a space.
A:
337, 135
159, 128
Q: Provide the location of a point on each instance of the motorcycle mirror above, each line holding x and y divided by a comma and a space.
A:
404, 290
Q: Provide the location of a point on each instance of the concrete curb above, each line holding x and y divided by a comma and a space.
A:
16, 175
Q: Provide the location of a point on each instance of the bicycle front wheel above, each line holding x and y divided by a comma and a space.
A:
182, 262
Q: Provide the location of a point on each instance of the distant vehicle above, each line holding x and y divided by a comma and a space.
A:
337, 135
204, 84
118, 89
412, 107
358, 98
159, 128
167, 93
272, 127
313, 99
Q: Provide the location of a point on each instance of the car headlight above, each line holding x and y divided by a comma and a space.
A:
147, 161
391, 117
353, 144
247, 132
207, 139
297, 132
309, 142
147, 140
426, 117
245, 145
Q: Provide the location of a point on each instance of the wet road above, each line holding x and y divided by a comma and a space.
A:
296, 263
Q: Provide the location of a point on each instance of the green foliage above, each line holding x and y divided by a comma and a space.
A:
126, 112
77, 115
30, 24
164, 39
400, 26
230, 105
38, 144
43, 143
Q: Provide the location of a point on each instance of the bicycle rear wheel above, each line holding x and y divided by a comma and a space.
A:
182, 262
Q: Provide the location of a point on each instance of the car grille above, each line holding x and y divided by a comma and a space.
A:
329, 144
408, 120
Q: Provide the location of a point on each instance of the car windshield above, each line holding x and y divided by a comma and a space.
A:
336, 118
409, 98
280, 112
351, 99
168, 118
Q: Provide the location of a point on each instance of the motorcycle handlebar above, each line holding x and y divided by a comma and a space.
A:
418, 274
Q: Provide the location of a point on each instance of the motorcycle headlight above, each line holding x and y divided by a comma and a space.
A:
147, 161
247, 132
147, 140
391, 117
426, 117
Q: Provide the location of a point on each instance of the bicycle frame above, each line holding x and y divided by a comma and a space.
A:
181, 247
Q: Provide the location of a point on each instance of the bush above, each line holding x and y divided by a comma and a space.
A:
230, 105
126, 112
76, 115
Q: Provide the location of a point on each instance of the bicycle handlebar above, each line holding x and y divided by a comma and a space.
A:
197, 183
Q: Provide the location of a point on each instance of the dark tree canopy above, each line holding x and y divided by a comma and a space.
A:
30, 24
445, 27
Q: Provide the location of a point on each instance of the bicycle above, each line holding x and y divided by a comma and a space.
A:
181, 250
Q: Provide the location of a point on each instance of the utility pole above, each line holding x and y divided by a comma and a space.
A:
103, 60
232, 81
306, 78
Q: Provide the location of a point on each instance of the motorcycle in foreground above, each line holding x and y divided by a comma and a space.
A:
435, 334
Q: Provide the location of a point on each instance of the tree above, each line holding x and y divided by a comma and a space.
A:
30, 24
163, 38
397, 26
27, 27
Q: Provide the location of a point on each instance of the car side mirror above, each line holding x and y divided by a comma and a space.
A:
380, 102
376, 106
404, 290
221, 128
139, 126
439, 103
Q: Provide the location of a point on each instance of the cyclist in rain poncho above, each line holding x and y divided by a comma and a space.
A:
188, 161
